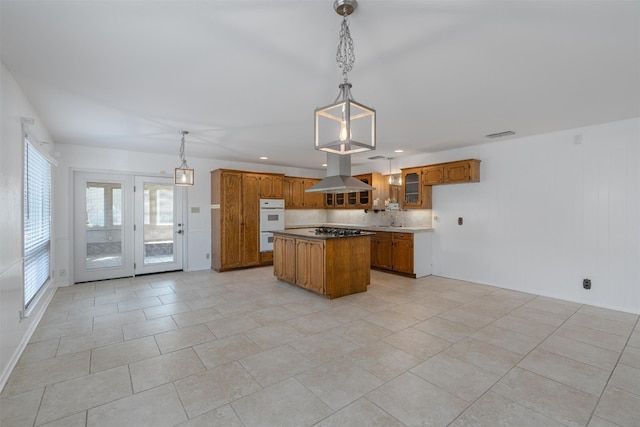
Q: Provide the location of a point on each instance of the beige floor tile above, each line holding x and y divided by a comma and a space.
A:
514, 341
90, 340
273, 314
460, 378
339, 382
567, 371
110, 321
446, 329
155, 371
495, 410
68, 397
214, 388
145, 327
582, 352
120, 354
383, 360
362, 331
562, 403
41, 350
76, 420
92, 311
360, 413
314, 323
631, 357
276, 364
29, 376
165, 310
458, 296
161, 405
224, 416
274, 335
231, 325
347, 313
601, 422
138, 303
20, 409
224, 350
555, 306
371, 303
392, 320
180, 296
488, 356
591, 336
416, 310
626, 378
323, 347
416, 402
310, 304
229, 309
195, 317
546, 317
467, 318
601, 323
634, 339
523, 326
46, 332
618, 316
619, 406
156, 291
183, 338
287, 403
418, 343
439, 302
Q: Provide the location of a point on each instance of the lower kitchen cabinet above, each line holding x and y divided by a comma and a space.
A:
322, 265
408, 254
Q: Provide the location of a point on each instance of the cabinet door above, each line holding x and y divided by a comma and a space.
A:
433, 175
381, 250
289, 260
339, 200
250, 235
231, 227
286, 192
302, 263
271, 187
364, 197
312, 200
457, 172
315, 266
297, 192
403, 253
412, 187
279, 257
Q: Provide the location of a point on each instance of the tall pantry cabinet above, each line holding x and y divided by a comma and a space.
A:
235, 218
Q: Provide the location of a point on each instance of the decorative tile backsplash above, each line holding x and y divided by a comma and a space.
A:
408, 218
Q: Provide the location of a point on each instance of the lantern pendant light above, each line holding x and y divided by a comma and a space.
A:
346, 126
183, 176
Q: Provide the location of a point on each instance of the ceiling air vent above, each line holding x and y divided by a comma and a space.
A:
500, 134
376, 157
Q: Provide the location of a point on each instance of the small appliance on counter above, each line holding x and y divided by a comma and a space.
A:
393, 207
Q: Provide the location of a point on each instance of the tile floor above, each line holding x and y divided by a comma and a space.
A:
242, 349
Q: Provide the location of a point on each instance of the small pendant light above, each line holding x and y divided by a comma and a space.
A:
183, 176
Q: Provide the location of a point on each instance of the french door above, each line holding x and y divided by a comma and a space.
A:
125, 225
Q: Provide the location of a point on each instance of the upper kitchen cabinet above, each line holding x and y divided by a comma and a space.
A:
433, 175
365, 199
296, 197
462, 171
271, 186
414, 194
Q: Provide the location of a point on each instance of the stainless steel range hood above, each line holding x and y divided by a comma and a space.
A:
339, 179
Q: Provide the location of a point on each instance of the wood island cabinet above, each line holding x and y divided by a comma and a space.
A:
321, 265
235, 217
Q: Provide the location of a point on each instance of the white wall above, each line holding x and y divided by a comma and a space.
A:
14, 331
547, 213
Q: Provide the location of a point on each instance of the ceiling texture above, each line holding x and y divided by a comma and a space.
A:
244, 76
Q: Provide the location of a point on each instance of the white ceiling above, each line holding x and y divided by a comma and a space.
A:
245, 76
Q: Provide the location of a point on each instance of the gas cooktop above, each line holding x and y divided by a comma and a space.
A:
337, 232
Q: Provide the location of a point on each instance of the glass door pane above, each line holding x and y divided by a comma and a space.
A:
158, 223
103, 225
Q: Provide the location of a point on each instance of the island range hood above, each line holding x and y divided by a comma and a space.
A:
339, 179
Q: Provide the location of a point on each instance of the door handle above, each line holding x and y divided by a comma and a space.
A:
179, 231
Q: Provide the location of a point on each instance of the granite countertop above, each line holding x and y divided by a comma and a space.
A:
373, 228
310, 233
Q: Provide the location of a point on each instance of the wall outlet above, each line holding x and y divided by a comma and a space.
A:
207, 256
586, 283
460, 221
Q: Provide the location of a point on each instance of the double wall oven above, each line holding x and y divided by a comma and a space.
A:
271, 219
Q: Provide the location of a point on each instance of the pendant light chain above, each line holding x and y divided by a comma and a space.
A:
182, 148
345, 56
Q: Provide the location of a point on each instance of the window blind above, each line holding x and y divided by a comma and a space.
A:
37, 222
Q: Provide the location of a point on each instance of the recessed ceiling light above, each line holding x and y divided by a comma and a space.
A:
324, 165
264, 158
398, 151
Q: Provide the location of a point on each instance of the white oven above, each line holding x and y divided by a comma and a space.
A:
271, 219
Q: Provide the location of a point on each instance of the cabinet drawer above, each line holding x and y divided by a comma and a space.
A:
403, 236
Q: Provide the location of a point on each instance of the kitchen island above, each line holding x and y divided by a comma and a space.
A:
330, 264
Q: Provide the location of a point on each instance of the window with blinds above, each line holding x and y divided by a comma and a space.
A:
37, 222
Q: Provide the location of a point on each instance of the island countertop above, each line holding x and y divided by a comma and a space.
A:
310, 233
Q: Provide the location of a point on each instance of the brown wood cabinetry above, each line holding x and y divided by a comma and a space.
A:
320, 265
271, 186
358, 199
462, 171
295, 196
393, 252
235, 218
414, 194
433, 175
